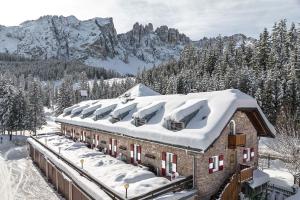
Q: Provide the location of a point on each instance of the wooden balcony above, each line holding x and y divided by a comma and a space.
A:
246, 174
238, 140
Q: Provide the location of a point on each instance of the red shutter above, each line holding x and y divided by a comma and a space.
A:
139, 149
221, 162
174, 164
211, 165
115, 149
163, 163
131, 153
245, 155
252, 154
110, 146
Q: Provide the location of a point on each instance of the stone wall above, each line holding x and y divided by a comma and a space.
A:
209, 184
184, 161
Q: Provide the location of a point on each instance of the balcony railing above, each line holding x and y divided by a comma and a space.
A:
238, 140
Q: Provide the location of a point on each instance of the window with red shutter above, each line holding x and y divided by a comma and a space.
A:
210, 165
221, 162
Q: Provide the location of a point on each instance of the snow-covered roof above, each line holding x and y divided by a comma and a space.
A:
91, 108
201, 131
123, 108
147, 110
140, 90
259, 178
187, 108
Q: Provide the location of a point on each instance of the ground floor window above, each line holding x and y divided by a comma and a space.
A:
169, 164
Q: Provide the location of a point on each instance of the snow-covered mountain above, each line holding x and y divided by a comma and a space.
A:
94, 42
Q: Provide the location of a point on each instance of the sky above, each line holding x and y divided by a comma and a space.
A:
195, 18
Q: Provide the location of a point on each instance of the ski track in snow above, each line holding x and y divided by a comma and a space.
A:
19, 178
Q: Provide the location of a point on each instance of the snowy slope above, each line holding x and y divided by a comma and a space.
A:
94, 41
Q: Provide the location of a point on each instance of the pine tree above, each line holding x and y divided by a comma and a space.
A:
35, 115
65, 96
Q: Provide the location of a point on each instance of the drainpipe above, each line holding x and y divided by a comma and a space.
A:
194, 171
194, 167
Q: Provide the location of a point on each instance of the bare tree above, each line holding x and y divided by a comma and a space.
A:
287, 141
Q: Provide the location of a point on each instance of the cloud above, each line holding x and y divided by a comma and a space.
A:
195, 18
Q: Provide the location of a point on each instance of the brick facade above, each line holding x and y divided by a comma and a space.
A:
207, 184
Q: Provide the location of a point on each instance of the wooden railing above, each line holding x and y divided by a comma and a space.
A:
232, 187
231, 190
246, 174
236, 140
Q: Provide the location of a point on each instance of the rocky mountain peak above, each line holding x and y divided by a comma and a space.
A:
94, 41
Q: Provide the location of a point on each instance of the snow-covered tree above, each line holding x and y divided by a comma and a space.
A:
35, 110
65, 96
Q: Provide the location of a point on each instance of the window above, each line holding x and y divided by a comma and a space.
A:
215, 163
248, 154
136, 153
169, 163
232, 127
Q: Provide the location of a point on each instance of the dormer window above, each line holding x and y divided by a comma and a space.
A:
181, 116
121, 112
68, 110
103, 111
145, 114
232, 130
90, 110
77, 111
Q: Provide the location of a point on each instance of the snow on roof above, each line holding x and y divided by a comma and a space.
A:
91, 108
147, 110
186, 109
140, 90
259, 178
79, 109
123, 108
105, 108
69, 109
201, 131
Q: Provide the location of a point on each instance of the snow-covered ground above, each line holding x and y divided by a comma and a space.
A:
19, 178
279, 177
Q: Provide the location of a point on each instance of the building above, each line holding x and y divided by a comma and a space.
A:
212, 135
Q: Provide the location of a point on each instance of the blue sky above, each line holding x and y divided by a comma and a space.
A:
195, 18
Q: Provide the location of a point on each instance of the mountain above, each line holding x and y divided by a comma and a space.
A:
94, 42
